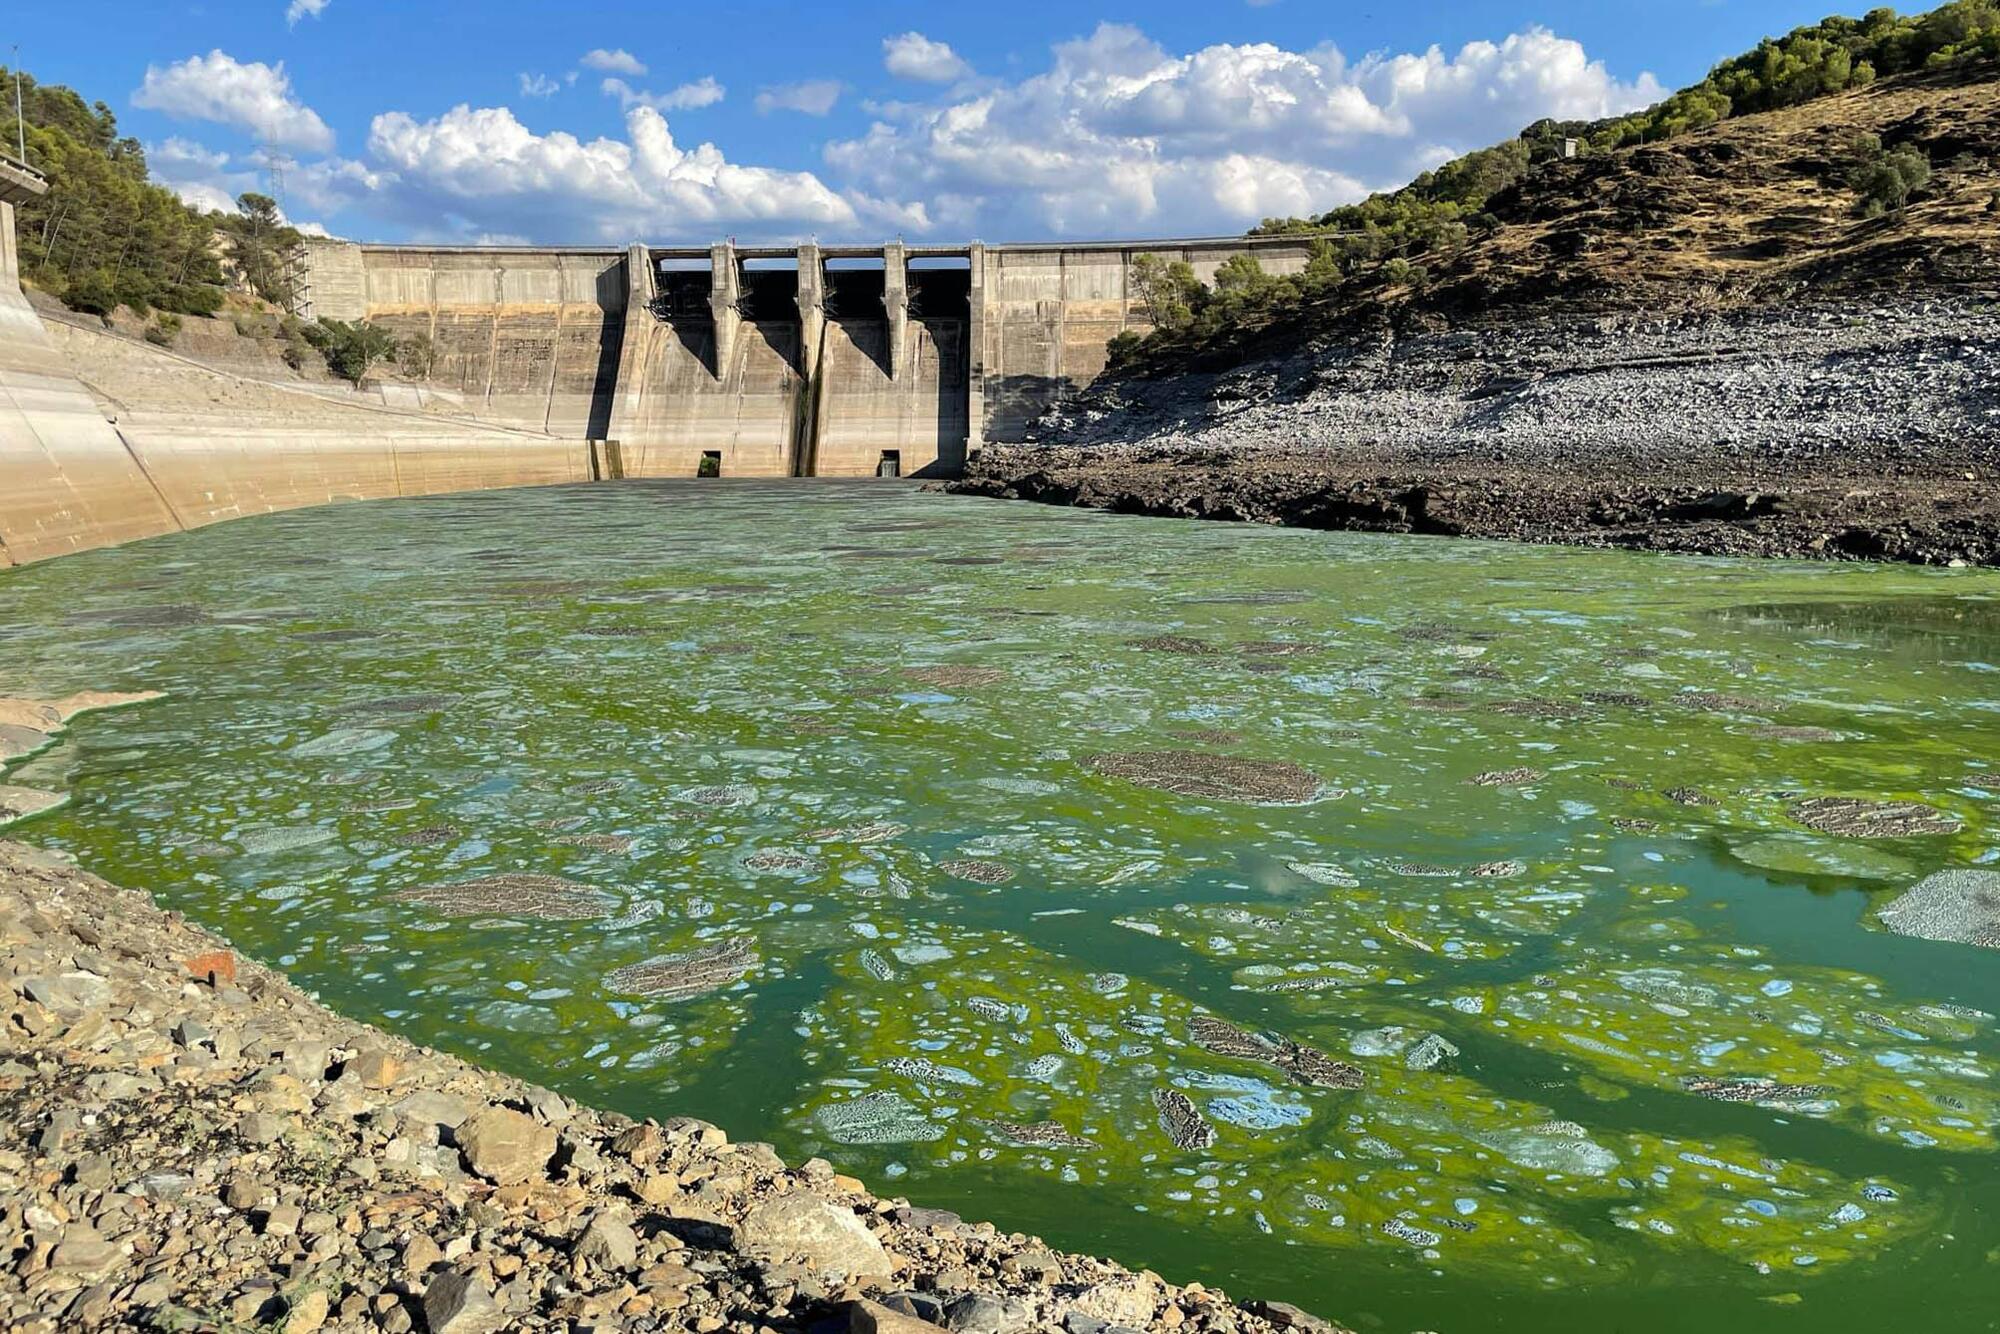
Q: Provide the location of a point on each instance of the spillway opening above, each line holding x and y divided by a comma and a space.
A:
941, 288
683, 288
770, 290
854, 288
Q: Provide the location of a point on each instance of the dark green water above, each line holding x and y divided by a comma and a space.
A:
739, 685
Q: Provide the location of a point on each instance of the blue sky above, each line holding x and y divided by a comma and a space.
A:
681, 122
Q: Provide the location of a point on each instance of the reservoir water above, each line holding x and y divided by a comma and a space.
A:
1439, 935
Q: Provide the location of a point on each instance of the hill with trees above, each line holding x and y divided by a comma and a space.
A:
1786, 165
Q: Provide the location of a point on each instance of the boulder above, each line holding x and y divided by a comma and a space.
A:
866, 1317
460, 1303
504, 1146
826, 1236
608, 1242
1121, 1301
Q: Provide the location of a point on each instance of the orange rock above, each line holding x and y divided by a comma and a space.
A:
217, 967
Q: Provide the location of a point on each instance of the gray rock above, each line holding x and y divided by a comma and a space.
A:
608, 1242
826, 1236
71, 993
504, 1146
921, 1305
460, 1303
262, 1127
977, 1313
1287, 1316
428, 1106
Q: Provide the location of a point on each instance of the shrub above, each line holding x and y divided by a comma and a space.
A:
1170, 291
91, 293
417, 354
352, 350
1886, 178
1123, 349
190, 299
164, 329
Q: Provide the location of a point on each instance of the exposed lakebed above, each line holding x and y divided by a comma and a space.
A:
1450, 934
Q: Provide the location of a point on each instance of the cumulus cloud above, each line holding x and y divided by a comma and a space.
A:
208, 178
486, 167
915, 56
539, 85
703, 92
814, 97
203, 177
1115, 136
619, 61
1122, 135
255, 98
301, 9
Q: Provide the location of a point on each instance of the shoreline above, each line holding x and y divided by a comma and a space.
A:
192, 1141
1925, 519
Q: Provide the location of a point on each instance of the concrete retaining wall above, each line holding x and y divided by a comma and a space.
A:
67, 482
106, 440
526, 336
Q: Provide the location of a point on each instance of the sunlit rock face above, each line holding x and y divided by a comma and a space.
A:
1482, 924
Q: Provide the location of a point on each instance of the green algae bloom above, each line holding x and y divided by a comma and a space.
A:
1461, 935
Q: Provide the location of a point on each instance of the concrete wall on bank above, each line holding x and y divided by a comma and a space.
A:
67, 481
1048, 312
105, 440
529, 337
212, 445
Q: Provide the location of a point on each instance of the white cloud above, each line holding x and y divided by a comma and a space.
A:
210, 179
1117, 136
915, 56
486, 169
300, 9
1122, 136
814, 97
703, 92
201, 176
255, 98
539, 85
619, 61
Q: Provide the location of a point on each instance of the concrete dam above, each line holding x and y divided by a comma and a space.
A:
559, 365
814, 360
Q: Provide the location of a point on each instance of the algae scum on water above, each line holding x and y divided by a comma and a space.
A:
1401, 926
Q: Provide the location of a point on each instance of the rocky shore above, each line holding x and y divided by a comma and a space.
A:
189, 1142
1868, 432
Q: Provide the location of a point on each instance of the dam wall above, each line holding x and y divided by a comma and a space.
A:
551, 365
529, 337
766, 361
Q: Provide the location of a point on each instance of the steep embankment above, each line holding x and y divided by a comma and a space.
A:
1696, 345
104, 439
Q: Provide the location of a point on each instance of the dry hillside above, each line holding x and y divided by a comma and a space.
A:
1749, 211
